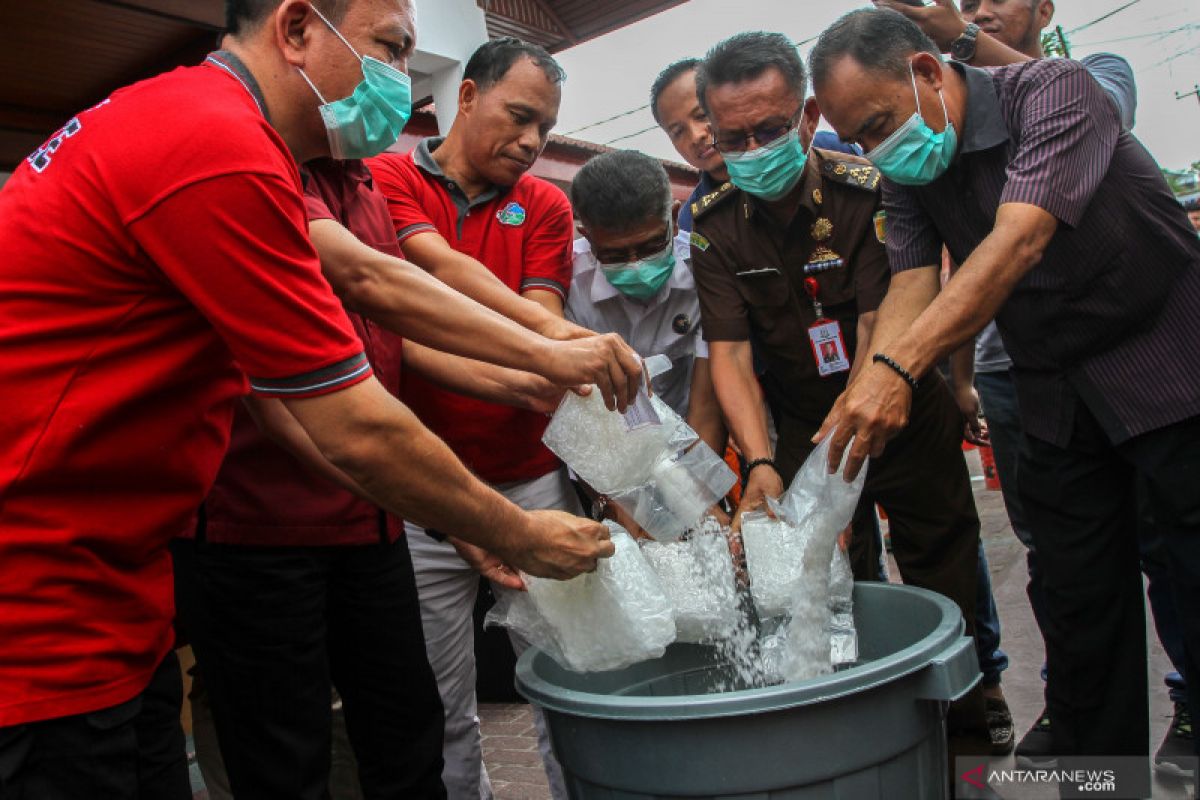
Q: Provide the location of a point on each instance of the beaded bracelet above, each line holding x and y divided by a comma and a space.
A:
899, 370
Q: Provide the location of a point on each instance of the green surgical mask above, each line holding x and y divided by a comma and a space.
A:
369, 121
771, 171
914, 155
642, 279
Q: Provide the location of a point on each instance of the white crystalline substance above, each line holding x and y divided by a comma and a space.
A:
610, 618
596, 443
697, 576
843, 638
774, 556
807, 652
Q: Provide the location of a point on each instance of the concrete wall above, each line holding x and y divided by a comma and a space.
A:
448, 32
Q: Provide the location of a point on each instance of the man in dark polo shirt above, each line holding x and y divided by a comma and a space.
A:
795, 258
1069, 237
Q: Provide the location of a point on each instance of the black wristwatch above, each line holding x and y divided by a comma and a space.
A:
963, 48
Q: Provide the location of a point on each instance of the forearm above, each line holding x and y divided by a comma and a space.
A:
277, 424
962, 366
403, 298
740, 397
909, 293
464, 275
468, 376
406, 469
704, 411
991, 52
863, 351
979, 289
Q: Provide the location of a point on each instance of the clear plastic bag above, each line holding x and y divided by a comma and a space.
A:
843, 637
648, 460
697, 576
602, 620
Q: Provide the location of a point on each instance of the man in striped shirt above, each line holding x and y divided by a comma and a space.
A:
1068, 235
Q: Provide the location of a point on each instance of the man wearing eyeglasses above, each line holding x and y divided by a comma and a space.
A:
791, 254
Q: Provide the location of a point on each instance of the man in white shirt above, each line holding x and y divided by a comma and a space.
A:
632, 276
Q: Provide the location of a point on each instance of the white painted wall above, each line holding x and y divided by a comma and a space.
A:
448, 32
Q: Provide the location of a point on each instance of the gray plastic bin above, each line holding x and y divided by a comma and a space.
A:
876, 730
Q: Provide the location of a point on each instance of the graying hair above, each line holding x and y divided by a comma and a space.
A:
621, 189
744, 57
880, 40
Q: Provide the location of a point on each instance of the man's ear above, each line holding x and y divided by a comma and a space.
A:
468, 94
810, 119
928, 67
1045, 13
675, 206
291, 25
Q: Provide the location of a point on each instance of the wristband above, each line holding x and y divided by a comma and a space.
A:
899, 370
758, 462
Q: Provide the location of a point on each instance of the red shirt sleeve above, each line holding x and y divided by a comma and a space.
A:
237, 247
548, 249
403, 185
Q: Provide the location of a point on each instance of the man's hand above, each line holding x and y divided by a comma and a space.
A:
605, 360
974, 428
762, 483
563, 330
872, 410
488, 565
940, 22
538, 394
558, 545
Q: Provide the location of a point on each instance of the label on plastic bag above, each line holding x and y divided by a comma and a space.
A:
641, 414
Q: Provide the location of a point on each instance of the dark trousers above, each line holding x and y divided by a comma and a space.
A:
922, 481
1082, 503
274, 629
132, 751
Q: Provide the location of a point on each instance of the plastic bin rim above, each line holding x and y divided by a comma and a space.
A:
873, 674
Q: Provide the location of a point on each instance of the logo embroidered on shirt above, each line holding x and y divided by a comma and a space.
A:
511, 214
881, 226
699, 242
681, 324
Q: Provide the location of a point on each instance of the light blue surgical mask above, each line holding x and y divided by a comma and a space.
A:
914, 155
771, 171
369, 121
642, 279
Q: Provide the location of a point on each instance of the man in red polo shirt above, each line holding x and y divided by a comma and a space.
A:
456, 201
152, 261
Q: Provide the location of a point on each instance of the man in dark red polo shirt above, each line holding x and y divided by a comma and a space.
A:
454, 202
135, 298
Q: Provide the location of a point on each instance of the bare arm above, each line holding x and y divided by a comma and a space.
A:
276, 422
741, 402
432, 252
942, 23
862, 353
483, 381
875, 407
404, 468
403, 298
704, 411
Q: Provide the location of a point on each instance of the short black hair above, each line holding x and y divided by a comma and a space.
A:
491, 62
881, 40
242, 16
745, 56
620, 189
666, 78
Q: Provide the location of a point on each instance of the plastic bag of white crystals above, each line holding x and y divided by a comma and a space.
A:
607, 619
697, 576
792, 562
647, 460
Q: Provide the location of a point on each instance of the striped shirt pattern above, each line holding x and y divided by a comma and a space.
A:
1107, 317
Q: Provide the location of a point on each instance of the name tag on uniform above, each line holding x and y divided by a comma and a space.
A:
829, 348
758, 271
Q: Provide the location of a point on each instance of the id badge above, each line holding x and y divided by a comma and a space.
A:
829, 348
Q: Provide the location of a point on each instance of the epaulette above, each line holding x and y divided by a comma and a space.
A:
701, 206
852, 171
